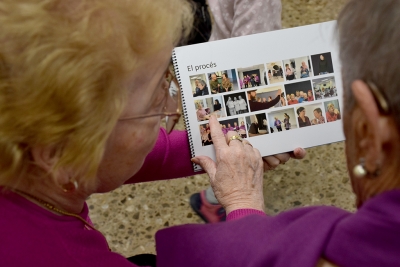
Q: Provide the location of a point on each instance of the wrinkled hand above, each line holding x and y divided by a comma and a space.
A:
237, 175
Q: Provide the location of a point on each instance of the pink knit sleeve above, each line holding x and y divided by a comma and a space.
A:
170, 158
240, 213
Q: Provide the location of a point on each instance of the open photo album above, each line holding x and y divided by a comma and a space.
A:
279, 90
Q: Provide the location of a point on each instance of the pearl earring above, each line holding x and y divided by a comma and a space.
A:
71, 186
359, 170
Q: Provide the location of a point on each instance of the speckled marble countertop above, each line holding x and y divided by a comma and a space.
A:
130, 215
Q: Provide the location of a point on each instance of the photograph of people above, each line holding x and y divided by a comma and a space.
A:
236, 124
315, 114
198, 85
205, 134
275, 72
322, 63
332, 111
223, 81
286, 118
251, 76
208, 106
274, 94
236, 103
318, 118
301, 91
257, 124
324, 88
302, 119
297, 68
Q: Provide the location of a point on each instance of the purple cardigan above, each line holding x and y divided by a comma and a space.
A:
33, 236
370, 237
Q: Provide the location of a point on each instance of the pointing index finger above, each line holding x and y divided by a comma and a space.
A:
217, 135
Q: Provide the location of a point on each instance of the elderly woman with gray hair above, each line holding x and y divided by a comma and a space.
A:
369, 35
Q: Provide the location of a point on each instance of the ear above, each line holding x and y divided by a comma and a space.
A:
44, 157
371, 126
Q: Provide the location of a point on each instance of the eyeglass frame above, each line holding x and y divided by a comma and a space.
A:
171, 117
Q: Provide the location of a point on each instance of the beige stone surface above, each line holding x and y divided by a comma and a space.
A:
130, 215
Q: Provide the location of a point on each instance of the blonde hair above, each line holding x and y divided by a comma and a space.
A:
330, 105
63, 64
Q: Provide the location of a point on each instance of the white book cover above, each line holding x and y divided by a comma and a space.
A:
279, 90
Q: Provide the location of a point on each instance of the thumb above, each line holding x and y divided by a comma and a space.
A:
207, 164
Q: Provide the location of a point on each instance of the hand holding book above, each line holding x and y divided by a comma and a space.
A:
237, 174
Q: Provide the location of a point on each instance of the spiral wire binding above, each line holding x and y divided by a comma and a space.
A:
185, 115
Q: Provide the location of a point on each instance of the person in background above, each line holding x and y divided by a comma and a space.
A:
215, 86
217, 108
201, 113
283, 100
323, 65
303, 119
243, 105
231, 106
310, 96
292, 100
319, 119
278, 124
300, 98
332, 113
289, 72
286, 122
226, 84
245, 81
236, 102
304, 71
257, 80
203, 89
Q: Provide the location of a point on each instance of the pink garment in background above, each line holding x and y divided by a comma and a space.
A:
235, 18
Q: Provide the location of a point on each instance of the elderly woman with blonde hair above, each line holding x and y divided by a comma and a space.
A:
72, 95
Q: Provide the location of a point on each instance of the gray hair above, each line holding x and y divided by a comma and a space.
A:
369, 35
202, 82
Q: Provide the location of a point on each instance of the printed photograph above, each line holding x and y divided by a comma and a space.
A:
205, 134
310, 115
266, 98
324, 88
236, 125
322, 64
236, 104
199, 85
252, 76
297, 68
299, 92
257, 124
223, 81
282, 120
207, 106
275, 72
332, 110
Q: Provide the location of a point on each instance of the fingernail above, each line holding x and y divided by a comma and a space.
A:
195, 160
